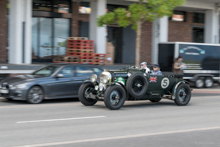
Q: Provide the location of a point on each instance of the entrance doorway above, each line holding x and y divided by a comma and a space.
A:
49, 36
115, 36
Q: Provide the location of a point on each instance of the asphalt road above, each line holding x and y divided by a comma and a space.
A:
67, 123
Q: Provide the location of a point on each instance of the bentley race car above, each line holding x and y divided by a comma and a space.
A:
115, 87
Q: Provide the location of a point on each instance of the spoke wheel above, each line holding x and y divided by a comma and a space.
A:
35, 95
84, 92
183, 95
115, 97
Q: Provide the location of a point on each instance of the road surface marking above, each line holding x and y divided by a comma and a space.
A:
119, 137
62, 119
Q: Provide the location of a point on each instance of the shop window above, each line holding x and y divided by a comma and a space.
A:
198, 35
178, 16
198, 17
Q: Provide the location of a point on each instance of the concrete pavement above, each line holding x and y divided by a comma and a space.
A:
67, 123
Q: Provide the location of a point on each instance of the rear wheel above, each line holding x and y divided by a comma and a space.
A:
35, 95
208, 82
84, 90
114, 97
183, 95
199, 83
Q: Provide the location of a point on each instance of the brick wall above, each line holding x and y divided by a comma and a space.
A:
181, 31
146, 42
3, 31
75, 20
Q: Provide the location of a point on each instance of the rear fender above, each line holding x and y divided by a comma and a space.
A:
175, 88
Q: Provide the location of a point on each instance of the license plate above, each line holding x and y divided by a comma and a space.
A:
4, 91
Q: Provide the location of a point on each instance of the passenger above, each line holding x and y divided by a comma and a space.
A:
144, 66
156, 70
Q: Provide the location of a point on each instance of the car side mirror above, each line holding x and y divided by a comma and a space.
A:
59, 76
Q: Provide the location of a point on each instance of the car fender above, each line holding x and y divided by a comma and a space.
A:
175, 88
118, 83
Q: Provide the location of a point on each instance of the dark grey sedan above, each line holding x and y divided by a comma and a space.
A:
49, 82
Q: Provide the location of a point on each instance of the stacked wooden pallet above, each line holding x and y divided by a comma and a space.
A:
81, 50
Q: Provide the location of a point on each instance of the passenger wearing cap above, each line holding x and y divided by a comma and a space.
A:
156, 70
144, 66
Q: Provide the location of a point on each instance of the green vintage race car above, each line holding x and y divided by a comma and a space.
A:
114, 87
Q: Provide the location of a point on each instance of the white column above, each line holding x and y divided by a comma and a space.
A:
20, 39
28, 32
212, 26
98, 34
160, 34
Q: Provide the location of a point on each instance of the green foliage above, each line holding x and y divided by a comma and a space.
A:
139, 12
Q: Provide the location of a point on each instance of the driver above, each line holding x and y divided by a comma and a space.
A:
144, 66
156, 70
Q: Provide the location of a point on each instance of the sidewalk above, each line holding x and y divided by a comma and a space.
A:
28, 68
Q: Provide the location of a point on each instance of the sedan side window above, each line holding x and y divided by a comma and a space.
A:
67, 71
82, 71
97, 70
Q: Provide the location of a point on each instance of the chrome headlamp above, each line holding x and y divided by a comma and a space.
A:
93, 78
105, 77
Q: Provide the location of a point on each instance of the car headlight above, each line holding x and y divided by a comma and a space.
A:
93, 78
12, 87
20, 86
105, 77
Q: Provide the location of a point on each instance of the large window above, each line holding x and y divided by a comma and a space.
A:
198, 35
198, 17
57, 6
49, 37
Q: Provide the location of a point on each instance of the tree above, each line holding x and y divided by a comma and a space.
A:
137, 14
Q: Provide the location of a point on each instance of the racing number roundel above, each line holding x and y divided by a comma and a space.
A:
165, 83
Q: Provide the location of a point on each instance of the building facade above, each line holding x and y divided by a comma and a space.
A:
37, 30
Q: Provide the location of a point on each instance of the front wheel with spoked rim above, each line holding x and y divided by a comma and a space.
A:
114, 97
35, 95
183, 95
83, 93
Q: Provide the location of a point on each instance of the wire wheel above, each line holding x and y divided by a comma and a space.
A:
114, 97
138, 85
183, 95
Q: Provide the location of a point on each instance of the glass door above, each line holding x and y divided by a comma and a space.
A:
45, 36
41, 39
49, 37
61, 33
